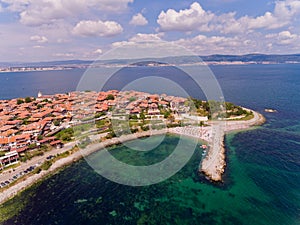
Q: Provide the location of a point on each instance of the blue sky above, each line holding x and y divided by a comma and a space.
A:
42, 30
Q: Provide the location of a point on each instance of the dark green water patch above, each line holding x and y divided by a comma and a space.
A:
141, 157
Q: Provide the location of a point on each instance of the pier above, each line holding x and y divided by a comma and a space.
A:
214, 163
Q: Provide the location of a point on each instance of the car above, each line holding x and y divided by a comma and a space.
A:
29, 169
50, 157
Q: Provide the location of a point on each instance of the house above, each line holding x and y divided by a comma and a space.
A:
135, 111
42, 97
57, 144
8, 159
153, 109
42, 115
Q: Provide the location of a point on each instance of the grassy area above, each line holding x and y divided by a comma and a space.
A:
65, 135
30, 154
46, 165
10, 167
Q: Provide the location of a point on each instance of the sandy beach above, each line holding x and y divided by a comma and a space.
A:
212, 166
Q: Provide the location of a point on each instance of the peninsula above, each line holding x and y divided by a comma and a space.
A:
247, 59
41, 134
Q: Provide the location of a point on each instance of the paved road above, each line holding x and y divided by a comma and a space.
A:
9, 174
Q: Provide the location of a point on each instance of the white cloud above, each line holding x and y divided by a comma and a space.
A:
227, 24
194, 18
39, 39
139, 38
45, 12
268, 20
68, 55
61, 40
206, 45
38, 12
138, 20
97, 28
197, 19
122, 43
98, 51
283, 14
284, 38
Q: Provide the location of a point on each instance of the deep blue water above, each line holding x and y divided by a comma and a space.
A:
262, 179
23, 84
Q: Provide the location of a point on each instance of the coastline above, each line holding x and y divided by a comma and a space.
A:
214, 161
213, 165
34, 178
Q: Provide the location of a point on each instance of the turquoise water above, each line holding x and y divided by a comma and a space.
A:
261, 181
250, 194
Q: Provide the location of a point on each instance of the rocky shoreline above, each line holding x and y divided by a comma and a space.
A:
213, 165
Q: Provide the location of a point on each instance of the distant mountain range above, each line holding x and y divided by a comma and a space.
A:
249, 58
259, 58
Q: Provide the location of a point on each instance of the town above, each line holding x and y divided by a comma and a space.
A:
30, 126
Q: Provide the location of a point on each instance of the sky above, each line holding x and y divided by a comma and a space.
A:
46, 30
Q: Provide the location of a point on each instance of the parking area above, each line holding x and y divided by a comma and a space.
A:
18, 175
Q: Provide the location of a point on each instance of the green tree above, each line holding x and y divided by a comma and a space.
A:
40, 137
142, 116
166, 114
99, 115
132, 99
39, 106
133, 117
65, 135
111, 135
56, 122
20, 101
28, 99
110, 97
46, 165
31, 146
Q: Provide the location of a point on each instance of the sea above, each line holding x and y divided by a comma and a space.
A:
261, 184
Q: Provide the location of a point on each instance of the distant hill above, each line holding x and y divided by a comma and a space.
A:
249, 58
259, 58
44, 64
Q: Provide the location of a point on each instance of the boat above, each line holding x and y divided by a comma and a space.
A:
270, 110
